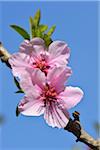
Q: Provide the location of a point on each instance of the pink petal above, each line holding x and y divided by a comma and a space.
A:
53, 73
37, 50
58, 61
31, 107
37, 41
38, 77
55, 116
33, 47
30, 89
57, 77
19, 62
59, 48
26, 47
71, 96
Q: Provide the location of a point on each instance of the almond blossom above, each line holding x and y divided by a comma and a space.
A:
49, 96
34, 54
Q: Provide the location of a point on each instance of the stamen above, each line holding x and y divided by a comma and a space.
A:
49, 94
42, 65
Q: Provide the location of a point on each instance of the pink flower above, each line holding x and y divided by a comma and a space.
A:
34, 54
47, 95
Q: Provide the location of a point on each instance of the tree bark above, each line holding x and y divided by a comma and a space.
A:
75, 128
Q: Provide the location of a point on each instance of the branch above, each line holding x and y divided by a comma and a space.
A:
4, 55
75, 127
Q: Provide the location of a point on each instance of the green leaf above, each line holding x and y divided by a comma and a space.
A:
43, 28
32, 27
21, 31
17, 112
38, 33
51, 30
19, 91
36, 18
17, 83
47, 40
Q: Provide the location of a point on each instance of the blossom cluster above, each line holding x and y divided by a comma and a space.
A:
42, 73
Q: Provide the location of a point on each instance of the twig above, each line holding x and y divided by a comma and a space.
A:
4, 55
75, 127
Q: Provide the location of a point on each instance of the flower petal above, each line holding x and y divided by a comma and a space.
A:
37, 50
31, 107
30, 89
58, 61
57, 77
19, 62
38, 77
71, 96
26, 47
33, 47
55, 116
37, 41
57, 48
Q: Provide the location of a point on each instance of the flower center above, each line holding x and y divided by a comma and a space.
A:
49, 94
42, 65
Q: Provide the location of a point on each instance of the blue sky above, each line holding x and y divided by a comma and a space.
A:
77, 24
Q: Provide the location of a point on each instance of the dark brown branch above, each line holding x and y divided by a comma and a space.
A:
75, 127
